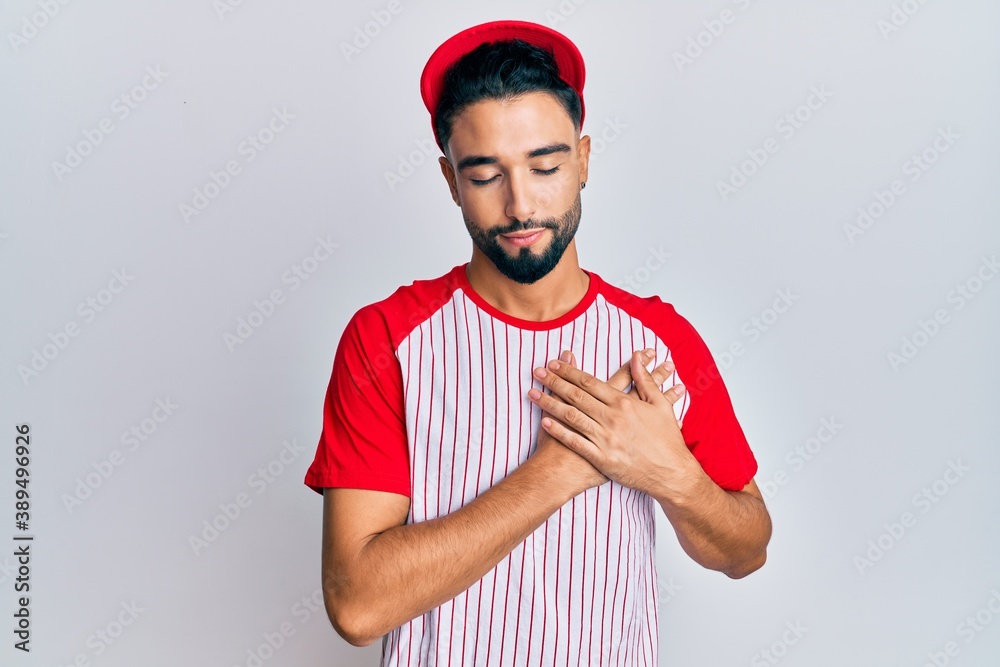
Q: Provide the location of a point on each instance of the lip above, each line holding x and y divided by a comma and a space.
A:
521, 239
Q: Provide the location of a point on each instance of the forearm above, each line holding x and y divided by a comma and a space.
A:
410, 569
721, 530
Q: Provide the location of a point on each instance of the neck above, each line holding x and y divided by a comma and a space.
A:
546, 299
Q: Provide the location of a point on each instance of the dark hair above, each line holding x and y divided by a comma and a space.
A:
501, 70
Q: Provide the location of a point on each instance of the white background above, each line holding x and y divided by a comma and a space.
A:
671, 132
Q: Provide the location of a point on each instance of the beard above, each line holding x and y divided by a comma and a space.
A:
527, 267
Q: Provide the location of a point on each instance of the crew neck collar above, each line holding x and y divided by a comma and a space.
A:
565, 318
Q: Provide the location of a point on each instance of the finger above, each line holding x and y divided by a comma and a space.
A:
573, 440
676, 390
662, 372
648, 390
551, 416
674, 394
578, 388
570, 358
622, 378
566, 414
660, 375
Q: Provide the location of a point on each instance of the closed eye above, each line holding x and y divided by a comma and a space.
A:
543, 172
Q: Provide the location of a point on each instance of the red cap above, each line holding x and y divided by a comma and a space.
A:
568, 59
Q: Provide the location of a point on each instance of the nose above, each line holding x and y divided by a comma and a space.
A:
520, 198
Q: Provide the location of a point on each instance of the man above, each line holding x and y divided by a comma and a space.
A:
459, 525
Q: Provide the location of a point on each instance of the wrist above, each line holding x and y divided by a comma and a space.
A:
685, 491
545, 470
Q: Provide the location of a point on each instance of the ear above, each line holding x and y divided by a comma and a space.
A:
583, 149
449, 175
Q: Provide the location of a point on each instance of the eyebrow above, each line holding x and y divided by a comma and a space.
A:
476, 160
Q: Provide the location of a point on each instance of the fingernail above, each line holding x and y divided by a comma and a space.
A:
679, 389
649, 352
565, 356
540, 372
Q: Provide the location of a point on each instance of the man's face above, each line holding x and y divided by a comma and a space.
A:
518, 167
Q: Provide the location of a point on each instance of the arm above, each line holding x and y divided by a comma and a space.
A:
639, 444
719, 529
379, 573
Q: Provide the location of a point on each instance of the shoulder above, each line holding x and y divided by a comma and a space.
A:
658, 315
393, 318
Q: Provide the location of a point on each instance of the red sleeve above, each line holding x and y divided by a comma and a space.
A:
363, 444
710, 428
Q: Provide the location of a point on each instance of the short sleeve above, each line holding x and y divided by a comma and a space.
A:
363, 444
710, 427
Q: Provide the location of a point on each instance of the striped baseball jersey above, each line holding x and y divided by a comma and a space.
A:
428, 399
